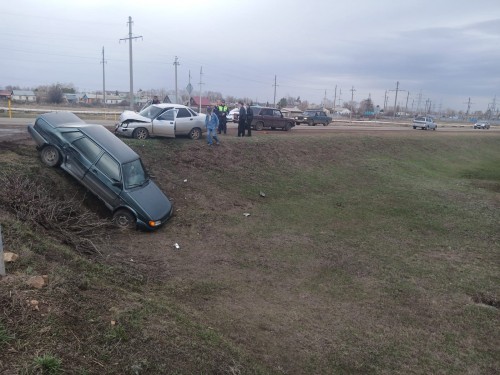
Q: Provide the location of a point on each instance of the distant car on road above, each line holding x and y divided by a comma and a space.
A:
265, 117
155, 120
482, 125
105, 165
424, 123
313, 117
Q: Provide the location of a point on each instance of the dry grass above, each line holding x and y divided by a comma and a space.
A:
368, 254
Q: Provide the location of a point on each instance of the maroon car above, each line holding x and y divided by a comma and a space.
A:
270, 118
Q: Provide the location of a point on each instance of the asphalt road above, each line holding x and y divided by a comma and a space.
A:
15, 128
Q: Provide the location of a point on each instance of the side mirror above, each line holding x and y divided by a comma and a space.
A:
118, 184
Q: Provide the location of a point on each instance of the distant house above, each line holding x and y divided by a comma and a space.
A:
90, 98
25, 96
71, 98
5, 94
114, 99
195, 102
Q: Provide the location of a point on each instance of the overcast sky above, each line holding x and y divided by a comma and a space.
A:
446, 51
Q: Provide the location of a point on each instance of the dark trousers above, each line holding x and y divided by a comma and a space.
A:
222, 125
249, 128
241, 128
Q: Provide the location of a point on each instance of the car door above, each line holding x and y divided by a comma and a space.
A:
104, 180
185, 121
79, 156
278, 120
165, 124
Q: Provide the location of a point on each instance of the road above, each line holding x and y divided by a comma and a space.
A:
15, 128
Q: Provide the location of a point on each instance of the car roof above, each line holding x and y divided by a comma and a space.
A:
63, 118
169, 105
98, 133
110, 142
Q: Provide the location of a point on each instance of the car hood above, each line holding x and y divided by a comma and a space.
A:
151, 202
128, 116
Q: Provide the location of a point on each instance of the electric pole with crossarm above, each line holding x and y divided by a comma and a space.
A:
130, 37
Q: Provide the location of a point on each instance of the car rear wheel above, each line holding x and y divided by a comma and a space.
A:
259, 126
287, 127
141, 133
195, 133
124, 219
50, 156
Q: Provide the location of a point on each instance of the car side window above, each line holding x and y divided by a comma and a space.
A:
71, 136
88, 148
267, 112
276, 113
183, 112
109, 167
167, 116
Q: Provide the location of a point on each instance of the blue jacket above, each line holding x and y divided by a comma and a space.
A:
211, 121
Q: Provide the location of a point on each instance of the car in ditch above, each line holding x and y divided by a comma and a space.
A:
424, 123
482, 125
313, 117
270, 118
105, 165
154, 121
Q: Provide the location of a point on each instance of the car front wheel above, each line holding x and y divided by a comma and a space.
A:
50, 156
141, 133
259, 126
287, 127
195, 133
124, 219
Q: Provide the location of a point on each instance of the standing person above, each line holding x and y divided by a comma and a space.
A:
222, 115
216, 112
249, 120
211, 123
155, 100
242, 120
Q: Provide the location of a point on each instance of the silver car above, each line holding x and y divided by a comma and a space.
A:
424, 123
162, 120
482, 125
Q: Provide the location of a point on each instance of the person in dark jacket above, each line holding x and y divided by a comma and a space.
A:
242, 120
249, 120
221, 113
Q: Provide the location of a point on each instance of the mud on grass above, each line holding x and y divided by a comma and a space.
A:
359, 259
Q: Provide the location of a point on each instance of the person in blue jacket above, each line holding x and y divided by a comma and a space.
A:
211, 123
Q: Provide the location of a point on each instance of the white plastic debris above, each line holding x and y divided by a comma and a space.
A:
262, 194
176, 245
186, 180
246, 214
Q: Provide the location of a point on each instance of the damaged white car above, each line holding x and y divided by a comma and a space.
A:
161, 120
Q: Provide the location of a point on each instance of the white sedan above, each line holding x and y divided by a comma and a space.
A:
163, 120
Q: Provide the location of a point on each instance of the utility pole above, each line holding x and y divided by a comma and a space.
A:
176, 64
130, 37
468, 107
352, 103
275, 85
201, 83
396, 98
335, 99
103, 79
385, 101
407, 98
324, 101
340, 96
189, 89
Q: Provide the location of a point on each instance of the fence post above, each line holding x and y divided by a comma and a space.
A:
2, 264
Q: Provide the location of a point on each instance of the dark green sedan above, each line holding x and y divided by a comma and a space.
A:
105, 165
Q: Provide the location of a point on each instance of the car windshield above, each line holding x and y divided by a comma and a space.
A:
151, 112
134, 174
309, 113
420, 119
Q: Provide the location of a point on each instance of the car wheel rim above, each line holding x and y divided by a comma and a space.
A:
195, 134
